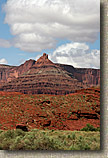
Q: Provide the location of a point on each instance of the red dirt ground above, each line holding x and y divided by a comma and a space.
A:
63, 112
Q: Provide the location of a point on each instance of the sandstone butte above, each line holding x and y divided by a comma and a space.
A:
45, 77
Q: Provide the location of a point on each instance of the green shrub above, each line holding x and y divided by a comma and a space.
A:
98, 129
8, 134
68, 136
90, 128
19, 132
73, 136
1, 131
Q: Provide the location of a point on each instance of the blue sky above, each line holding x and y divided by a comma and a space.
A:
52, 38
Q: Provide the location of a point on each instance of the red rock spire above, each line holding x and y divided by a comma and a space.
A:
45, 55
43, 60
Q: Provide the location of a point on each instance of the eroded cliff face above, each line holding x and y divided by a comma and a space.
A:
45, 77
88, 76
9, 73
4, 69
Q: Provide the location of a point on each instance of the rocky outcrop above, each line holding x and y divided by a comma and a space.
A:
22, 127
45, 77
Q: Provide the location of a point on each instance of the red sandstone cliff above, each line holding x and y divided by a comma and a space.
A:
45, 77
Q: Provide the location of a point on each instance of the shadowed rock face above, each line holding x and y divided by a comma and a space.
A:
45, 77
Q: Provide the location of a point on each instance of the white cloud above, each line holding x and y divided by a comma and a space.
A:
77, 55
3, 61
31, 42
4, 43
37, 24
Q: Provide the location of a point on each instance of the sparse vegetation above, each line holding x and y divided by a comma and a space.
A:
49, 140
62, 111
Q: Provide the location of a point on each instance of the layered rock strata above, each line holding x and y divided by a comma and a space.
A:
45, 77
